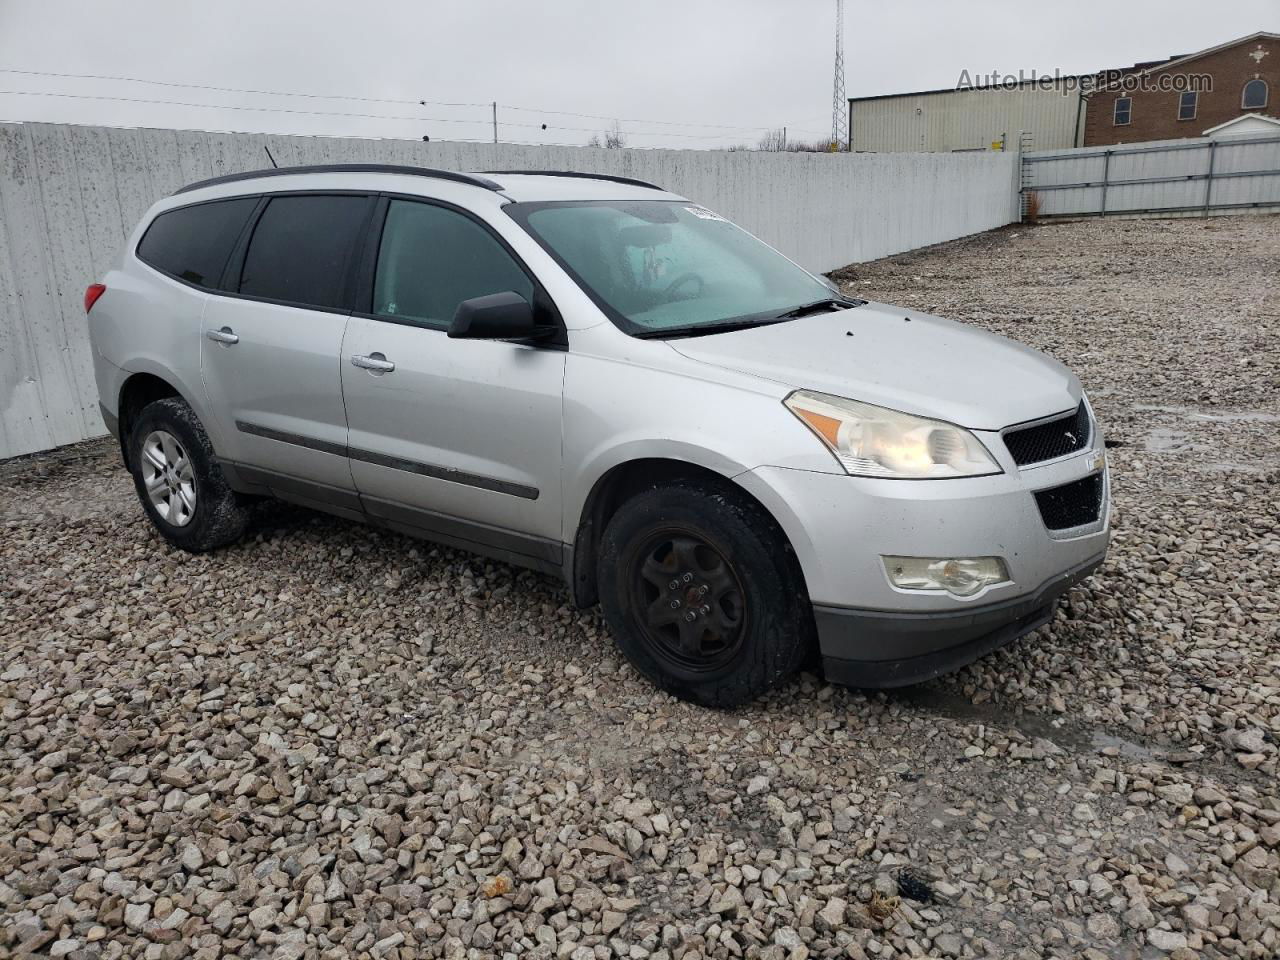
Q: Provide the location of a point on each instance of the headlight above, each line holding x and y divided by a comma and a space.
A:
876, 442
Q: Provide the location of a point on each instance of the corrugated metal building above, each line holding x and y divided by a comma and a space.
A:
971, 118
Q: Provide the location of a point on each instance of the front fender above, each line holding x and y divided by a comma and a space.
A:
641, 400
601, 461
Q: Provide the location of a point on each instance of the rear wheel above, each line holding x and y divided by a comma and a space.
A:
179, 483
702, 594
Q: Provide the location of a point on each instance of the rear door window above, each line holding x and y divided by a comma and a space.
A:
432, 258
194, 243
300, 250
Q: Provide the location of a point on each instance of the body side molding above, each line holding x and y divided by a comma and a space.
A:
434, 471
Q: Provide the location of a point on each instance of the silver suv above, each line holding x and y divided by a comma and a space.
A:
595, 378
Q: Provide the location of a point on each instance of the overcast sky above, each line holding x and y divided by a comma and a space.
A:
675, 73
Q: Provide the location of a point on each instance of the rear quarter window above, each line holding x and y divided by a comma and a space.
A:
194, 243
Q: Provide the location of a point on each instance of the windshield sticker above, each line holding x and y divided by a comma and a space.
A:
703, 213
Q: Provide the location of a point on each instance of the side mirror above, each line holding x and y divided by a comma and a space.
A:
498, 316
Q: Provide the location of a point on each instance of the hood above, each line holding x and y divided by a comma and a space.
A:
900, 359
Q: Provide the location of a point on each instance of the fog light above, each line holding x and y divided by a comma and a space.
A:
958, 576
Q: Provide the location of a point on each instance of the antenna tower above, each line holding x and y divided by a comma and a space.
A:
839, 103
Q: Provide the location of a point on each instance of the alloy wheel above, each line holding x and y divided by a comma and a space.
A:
168, 478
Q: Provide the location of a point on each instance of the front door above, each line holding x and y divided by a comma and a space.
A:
270, 355
459, 439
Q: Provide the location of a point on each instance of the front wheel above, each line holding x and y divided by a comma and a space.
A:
703, 595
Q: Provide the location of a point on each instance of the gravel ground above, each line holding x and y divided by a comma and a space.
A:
328, 743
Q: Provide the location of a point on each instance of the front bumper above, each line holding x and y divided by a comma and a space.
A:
876, 648
872, 633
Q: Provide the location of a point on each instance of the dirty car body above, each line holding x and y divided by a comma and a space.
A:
599, 379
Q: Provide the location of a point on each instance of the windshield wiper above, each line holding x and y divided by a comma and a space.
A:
743, 323
818, 306
701, 329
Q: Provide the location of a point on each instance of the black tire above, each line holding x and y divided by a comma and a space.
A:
731, 547
217, 515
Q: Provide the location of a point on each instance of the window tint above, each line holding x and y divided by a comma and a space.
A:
432, 258
299, 249
193, 243
1187, 106
1255, 95
1124, 110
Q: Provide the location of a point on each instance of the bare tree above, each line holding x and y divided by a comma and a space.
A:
816, 146
613, 138
775, 141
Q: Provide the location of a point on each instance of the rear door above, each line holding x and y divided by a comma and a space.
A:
192, 245
270, 350
457, 438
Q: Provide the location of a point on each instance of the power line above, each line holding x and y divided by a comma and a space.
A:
629, 133
399, 102
221, 106
351, 114
205, 86
671, 123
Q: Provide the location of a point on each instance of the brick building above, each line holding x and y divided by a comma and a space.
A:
1166, 101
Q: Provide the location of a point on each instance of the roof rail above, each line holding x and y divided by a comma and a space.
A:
573, 173
471, 178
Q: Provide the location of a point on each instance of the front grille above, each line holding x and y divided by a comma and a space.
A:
1071, 505
1048, 441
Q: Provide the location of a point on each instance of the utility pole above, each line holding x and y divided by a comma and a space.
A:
784, 139
495, 121
839, 103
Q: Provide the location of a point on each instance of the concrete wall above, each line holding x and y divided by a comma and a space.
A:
1169, 176
70, 195
966, 120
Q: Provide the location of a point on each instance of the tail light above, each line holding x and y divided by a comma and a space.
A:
91, 295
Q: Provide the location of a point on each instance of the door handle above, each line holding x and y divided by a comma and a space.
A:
374, 363
223, 336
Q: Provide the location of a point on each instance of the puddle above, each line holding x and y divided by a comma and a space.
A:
1062, 732
957, 707
1205, 416
1177, 439
1127, 748
1228, 466
1166, 440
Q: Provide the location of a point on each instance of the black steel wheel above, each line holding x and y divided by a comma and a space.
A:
703, 594
687, 599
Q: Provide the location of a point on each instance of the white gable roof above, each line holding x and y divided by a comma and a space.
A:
1251, 124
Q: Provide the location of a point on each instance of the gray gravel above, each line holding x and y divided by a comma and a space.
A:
331, 742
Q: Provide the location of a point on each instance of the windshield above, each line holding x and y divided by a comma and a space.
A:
663, 266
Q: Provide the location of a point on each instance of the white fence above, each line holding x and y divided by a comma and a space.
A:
1164, 178
70, 195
